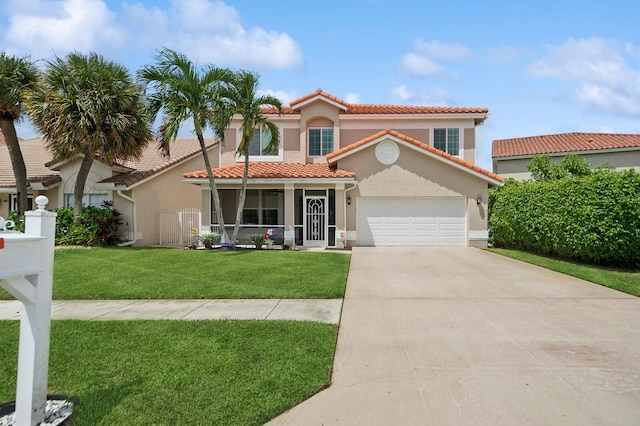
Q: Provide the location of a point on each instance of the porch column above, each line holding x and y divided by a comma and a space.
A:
205, 226
289, 213
341, 226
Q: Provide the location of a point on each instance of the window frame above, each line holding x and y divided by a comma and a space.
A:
264, 158
447, 141
261, 209
69, 199
321, 129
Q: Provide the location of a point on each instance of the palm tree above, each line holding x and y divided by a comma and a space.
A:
17, 75
241, 98
89, 107
182, 91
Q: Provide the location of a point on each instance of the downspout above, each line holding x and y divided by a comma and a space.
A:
345, 211
133, 219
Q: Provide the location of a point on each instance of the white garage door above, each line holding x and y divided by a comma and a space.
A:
411, 222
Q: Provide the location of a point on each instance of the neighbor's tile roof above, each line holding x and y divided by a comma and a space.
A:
152, 162
377, 109
35, 156
564, 142
417, 143
275, 171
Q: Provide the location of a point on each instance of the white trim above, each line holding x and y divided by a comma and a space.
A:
318, 97
478, 235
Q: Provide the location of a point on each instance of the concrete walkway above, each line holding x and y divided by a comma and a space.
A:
460, 336
319, 310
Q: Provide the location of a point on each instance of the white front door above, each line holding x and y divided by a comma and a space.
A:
315, 221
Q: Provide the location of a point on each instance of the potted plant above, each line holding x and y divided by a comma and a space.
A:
208, 238
257, 240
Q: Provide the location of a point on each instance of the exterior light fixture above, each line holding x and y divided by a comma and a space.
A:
479, 199
349, 200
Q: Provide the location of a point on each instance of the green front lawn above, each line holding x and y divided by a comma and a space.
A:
179, 372
621, 280
155, 273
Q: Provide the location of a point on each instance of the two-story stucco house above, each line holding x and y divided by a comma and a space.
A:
620, 151
353, 174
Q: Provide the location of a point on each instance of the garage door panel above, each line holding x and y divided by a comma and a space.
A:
406, 221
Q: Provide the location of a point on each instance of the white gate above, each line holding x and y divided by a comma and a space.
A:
175, 227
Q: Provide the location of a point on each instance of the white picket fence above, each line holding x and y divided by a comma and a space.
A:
175, 227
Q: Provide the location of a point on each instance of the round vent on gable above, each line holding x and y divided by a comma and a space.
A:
387, 152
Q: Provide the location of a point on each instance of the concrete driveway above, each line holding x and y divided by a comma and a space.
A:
454, 336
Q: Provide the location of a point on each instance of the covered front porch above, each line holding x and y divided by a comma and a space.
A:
303, 214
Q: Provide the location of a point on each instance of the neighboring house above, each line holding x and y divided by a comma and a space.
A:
140, 189
620, 151
354, 174
41, 180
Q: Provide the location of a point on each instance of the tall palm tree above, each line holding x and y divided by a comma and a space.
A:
183, 91
241, 98
17, 75
89, 107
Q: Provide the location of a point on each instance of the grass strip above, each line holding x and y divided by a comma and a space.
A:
179, 372
158, 273
627, 281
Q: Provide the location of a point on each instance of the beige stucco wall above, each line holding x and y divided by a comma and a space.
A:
52, 194
620, 160
291, 143
165, 192
68, 173
414, 174
469, 149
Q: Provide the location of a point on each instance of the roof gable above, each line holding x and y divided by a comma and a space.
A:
319, 95
415, 144
480, 114
562, 143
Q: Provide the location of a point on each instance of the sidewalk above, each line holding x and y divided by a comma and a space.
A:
318, 310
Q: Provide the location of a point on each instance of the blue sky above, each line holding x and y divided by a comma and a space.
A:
539, 67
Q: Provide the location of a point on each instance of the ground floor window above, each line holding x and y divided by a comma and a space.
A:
263, 207
13, 202
94, 200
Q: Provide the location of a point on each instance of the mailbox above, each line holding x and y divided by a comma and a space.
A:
21, 255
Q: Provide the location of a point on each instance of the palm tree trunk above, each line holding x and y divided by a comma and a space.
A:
212, 184
81, 180
17, 162
243, 191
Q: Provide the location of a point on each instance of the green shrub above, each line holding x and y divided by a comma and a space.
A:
593, 218
96, 226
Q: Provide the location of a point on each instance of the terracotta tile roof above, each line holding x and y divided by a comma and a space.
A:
378, 109
151, 162
564, 142
417, 143
322, 93
35, 156
275, 171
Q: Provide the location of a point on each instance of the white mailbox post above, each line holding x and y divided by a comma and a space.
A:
26, 271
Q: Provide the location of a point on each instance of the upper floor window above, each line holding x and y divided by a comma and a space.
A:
260, 143
447, 140
320, 142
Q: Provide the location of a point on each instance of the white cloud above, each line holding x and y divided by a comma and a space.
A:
605, 80
426, 58
445, 52
204, 30
43, 28
352, 98
433, 96
285, 97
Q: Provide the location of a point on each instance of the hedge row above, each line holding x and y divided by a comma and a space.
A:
593, 219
